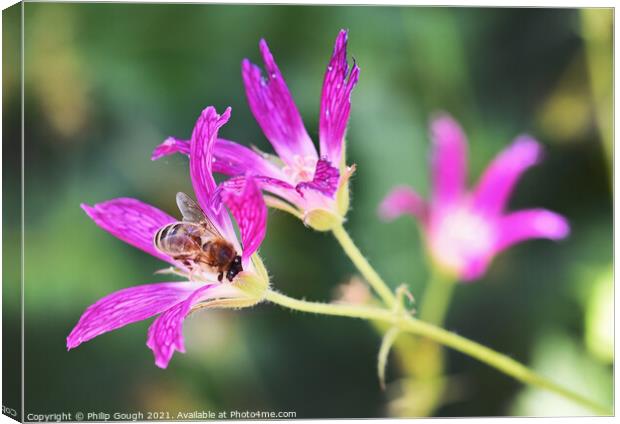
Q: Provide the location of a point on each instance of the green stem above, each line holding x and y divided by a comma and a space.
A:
384, 351
368, 272
427, 356
436, 299
412, 325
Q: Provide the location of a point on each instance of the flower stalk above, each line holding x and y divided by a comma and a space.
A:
367, 271
436, 298
409, 324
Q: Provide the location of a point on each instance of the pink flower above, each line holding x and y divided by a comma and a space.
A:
465, 230
315, 186
136, 223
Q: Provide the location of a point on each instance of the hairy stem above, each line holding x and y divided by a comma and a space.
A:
407, 323
384, 351
367, 271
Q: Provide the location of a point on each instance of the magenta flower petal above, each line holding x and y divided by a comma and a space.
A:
165, 335
170, 146
325, 179
201, 153
250, 212
336, 100
475, 268
522, 225
125, 307
201, 163
274, 109
403, 200
234, 159
499, 179
449, 160
273, 185
132, 221
230, 158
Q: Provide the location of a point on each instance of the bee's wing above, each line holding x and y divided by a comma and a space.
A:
189, 209
211, 228
192, 213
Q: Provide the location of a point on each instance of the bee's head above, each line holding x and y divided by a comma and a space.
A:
235, 268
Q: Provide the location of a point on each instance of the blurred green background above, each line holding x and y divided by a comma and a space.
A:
105, 83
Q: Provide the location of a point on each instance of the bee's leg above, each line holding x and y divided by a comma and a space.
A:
194, 271
190, 268
220, 276
172, 270
190, 276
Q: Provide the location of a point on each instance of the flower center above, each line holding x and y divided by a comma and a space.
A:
301, 169
461, 238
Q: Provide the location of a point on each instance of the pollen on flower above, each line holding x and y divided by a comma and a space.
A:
301, 169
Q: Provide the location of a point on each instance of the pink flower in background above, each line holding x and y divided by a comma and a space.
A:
297, 174
465, 230
137, 223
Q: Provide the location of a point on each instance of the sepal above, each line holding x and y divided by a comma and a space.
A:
343, 195
321, 219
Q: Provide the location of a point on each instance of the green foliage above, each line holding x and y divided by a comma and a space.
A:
105, 83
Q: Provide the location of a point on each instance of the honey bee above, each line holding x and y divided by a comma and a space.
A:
197, 243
